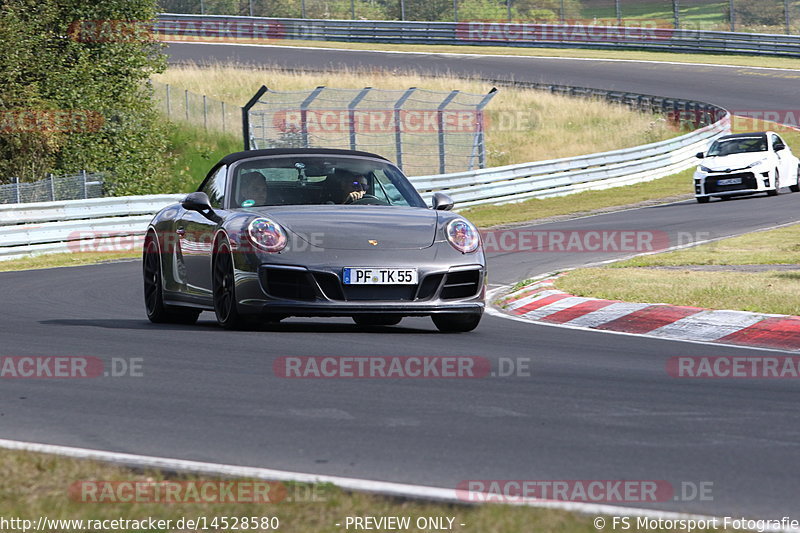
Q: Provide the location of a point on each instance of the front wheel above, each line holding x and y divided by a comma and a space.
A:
224, 290
456, 323
157, 312
777, 185
796, 186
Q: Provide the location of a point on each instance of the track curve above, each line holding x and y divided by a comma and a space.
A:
597, 406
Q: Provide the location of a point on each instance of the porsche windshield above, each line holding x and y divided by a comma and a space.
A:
738, 145
316, 180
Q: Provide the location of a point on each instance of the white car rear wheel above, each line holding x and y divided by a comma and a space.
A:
796, 186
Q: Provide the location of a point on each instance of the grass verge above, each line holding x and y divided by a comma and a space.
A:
702, 59
644, 279
65, 260
39, 485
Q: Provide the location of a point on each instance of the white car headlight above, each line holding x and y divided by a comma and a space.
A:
267, 235
705, 169
751, 165
463, 236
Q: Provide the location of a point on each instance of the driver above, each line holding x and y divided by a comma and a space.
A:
252, 189
353, 187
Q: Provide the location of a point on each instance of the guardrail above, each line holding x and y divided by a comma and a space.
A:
99, 224
479, 33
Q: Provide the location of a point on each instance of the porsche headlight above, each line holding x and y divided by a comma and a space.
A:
267, 235
463, 236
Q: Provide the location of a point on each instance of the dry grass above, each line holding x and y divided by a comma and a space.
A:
762, 292
773, 247
37, 485
636, 280
523, 125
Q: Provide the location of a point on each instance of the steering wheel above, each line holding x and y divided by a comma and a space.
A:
369, 199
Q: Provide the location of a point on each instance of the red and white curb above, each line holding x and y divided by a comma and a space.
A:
541, 302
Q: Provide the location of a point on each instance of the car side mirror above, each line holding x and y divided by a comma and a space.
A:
779, 147
442, 202
700, 155
198, 201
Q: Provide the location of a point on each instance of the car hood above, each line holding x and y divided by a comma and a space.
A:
340, 227
733, 161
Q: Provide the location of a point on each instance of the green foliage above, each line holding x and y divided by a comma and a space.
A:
54, 64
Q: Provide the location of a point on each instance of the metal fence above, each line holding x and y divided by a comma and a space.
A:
522, 34
425, 131
74, 187
767, 16
182, 105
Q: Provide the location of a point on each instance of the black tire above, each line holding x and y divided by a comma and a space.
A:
377, 320
157, 312
703, 199
777, 190
456, 323
796, 186
224, 290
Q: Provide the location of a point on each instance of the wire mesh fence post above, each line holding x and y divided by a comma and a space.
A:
480, 137
246, 115
186, 103
205, 113
732, 9
787, 16
398, 131
52, 188
169, 107
351, 112
85, 191
618, 11
223, 115
304, 113
16, 189
676, 14
440, 124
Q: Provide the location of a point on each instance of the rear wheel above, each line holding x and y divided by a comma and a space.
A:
456, 323
224, 290
157, 312
703, 199
377, 320
777, 185
796, 186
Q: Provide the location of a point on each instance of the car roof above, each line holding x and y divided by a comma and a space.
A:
247, 154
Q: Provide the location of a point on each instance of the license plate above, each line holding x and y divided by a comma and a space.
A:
380, 276
730, 181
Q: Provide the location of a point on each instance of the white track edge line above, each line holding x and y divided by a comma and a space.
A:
364, 485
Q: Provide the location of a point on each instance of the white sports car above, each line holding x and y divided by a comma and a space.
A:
746, 163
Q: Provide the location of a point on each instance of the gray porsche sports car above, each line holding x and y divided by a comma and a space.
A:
312, 232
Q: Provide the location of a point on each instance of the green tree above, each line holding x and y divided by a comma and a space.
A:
58, 60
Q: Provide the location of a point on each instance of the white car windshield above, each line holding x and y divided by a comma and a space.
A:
738, 145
